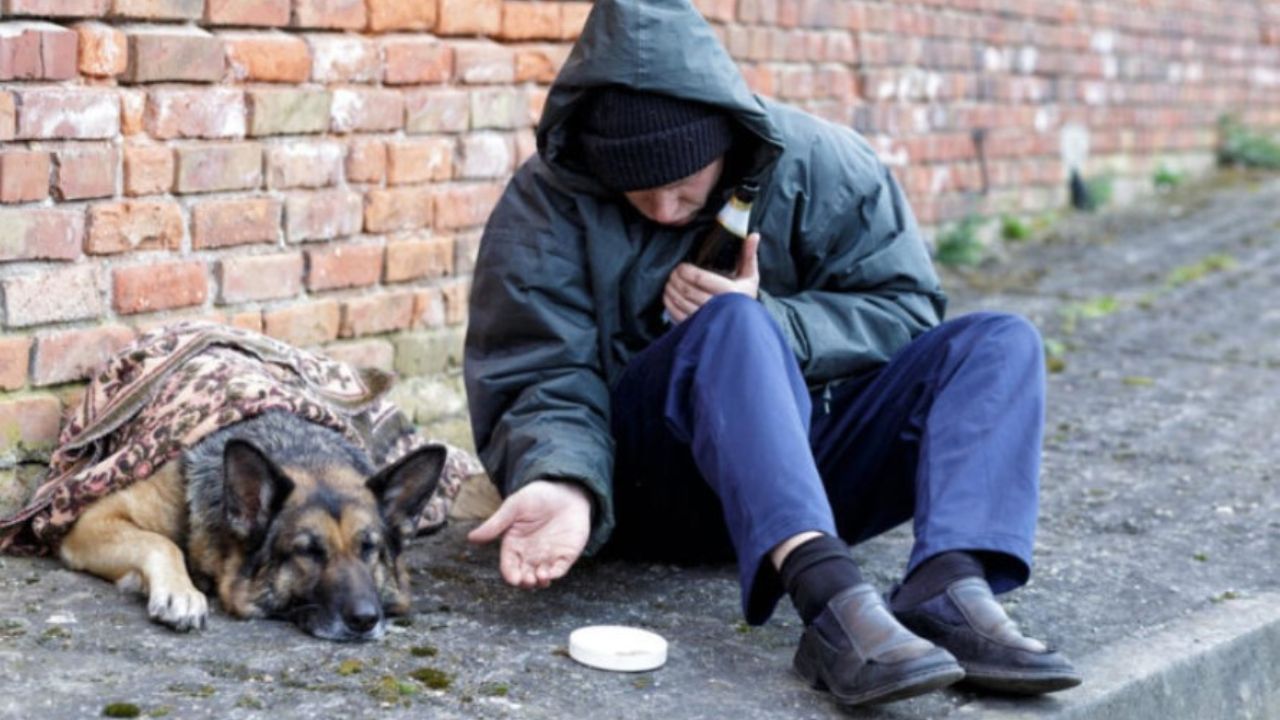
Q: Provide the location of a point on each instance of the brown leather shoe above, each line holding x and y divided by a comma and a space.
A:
858, 651
967, 620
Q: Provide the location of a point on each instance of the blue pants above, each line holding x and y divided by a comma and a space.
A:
723, 452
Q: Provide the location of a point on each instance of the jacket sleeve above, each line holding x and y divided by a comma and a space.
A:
539, 403
867, 284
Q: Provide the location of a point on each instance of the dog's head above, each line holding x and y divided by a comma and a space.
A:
321, 542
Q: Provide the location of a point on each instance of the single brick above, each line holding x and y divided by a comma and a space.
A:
134, 225
417, 161
464, 205
24, 176
37, 51
401, 15
57, 8
376, 314
263, 13
304, 164
304, 325
206, 113
334, 14
478, 62
343, 266
159, 286
15, 360
366, 161
173, 55
267, 57
20, 57
469, 17
408, 208
416, 61
372, 353
500, 108
540, 63
440, 110
259, 277
86, 173
29, 426
417, 259
75, 354
158, 9
323, 215
218, 167
343, 58
531, 21
366, 110
288, 112
40, 234
71, 113
148, 169
485, 155
104, 50
60, 295
223, 223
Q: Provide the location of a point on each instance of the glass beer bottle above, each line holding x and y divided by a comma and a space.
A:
720, 249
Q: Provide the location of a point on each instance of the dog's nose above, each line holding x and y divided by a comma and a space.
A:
362, 616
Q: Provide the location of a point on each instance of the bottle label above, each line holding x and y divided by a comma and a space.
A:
734, 216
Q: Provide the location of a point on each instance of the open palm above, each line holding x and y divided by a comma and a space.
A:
544, 527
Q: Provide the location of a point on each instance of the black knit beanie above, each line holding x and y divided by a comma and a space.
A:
635, 140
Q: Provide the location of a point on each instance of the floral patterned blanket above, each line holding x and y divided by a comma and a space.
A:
175, 385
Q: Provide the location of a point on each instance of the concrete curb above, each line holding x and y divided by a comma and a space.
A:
1223, 662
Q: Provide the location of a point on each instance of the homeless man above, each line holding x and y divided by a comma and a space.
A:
624, 399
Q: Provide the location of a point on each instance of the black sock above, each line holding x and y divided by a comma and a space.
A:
815, 571
933, 576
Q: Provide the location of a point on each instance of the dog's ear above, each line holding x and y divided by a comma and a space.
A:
254, 490
404, 487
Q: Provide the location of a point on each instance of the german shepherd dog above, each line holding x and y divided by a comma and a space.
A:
280, 516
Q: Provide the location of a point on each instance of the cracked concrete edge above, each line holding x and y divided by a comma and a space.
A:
1217, 663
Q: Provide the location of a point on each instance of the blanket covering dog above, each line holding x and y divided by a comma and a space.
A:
175, 385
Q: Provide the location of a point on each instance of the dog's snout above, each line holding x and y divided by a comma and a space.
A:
362, 616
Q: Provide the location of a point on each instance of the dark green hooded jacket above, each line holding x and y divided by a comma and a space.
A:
568, 282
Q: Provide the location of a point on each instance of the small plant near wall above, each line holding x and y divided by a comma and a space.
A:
959, 246
1246, 148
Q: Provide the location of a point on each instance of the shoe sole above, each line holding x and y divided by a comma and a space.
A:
916, 683
1016, 682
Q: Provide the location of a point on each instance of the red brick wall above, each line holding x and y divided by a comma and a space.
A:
320, 169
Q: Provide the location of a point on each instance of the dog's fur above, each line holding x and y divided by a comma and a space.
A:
281, 517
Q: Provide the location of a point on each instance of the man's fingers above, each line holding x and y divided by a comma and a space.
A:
510, 563
695, 295
703, 281
559, 568
677, 307
492, 529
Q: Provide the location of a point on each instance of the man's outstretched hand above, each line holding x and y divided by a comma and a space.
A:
544, 526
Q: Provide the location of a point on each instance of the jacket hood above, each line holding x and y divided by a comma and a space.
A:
659, 46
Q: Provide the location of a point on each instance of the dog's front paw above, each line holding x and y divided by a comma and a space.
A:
181, 610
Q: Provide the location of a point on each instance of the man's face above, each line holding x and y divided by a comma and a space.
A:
676, 203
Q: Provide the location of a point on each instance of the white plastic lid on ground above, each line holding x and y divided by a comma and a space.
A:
618, 648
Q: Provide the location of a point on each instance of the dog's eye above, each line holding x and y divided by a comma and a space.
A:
309, 549
369, 547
